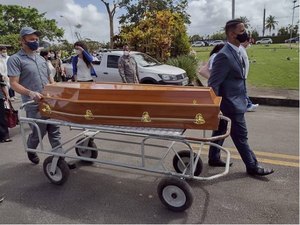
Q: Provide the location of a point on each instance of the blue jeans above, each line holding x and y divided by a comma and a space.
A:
53, 131
239, 135
249, 103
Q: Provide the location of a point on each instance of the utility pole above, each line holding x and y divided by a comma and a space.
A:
292, 27
264, 21
233, 9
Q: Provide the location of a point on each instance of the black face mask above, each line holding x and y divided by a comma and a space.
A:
242, 37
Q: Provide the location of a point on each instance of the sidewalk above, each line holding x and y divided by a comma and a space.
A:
274, 96
269, 96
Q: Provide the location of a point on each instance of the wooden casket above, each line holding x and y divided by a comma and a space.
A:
132, 105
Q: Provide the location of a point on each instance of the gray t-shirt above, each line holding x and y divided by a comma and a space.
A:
32, 70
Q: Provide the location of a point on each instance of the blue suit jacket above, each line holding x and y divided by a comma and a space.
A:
228, 81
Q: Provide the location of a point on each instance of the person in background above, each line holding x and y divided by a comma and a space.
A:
83, 70
95, 58
57, 63
205, 70
29, 73
250, 106
228, 81
3, 70
128, 67
46, 55
4, 133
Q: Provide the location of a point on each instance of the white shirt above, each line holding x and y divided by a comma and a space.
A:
246, 59
3, 69
211, 60
51, 68
83, 72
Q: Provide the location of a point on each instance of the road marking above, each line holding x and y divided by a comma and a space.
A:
265, 157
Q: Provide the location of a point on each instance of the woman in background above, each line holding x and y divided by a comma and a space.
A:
47, 56
206, 69
82, 64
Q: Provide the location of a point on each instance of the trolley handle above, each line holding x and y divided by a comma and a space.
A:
27, 103
216, 138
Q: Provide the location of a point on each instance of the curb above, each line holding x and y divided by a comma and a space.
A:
275, 101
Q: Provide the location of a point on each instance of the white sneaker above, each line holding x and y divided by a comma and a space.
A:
252, 108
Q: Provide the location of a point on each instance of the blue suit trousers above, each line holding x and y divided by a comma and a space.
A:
239, 135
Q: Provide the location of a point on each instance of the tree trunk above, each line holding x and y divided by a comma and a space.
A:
111, 28
111, 14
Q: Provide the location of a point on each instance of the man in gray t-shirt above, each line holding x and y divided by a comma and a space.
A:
28, 73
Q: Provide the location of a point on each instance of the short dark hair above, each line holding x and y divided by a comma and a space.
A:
231, 25
3, 48
44, 53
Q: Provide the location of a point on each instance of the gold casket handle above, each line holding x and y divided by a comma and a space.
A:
146, 117
46, 108
89, 115
199, 119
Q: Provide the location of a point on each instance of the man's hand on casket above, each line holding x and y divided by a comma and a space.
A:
35, 95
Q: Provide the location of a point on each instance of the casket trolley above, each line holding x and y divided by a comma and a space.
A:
183, 149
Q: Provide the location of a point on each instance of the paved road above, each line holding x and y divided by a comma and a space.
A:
105, 194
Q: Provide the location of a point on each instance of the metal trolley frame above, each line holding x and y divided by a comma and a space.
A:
173, 190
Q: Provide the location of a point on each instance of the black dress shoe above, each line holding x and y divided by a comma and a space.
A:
217, 163
33, 157
259, 171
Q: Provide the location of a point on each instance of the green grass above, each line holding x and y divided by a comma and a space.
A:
275, 65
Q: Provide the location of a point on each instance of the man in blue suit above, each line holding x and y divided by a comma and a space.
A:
228, 81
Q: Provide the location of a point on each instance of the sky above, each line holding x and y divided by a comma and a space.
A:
207, 16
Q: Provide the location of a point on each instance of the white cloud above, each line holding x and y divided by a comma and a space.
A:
207, 16
68, 14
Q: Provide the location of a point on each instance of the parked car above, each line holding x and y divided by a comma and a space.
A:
216, 42
264, 41
149, 69
198, 44
292, 40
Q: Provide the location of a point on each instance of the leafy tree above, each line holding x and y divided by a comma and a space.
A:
254, 34
196, 37
12, 40
283, 31
245, 21
160, 34
270, 23
111, 10
137, 9
218, 36
14, 17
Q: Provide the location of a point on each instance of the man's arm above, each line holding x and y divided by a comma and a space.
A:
220, 69
14, 83
121, 69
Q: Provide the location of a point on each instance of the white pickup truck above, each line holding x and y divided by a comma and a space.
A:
149, 69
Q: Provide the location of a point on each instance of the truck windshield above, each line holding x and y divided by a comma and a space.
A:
145, 60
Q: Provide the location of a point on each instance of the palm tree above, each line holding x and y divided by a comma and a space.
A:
270, 23
245, 21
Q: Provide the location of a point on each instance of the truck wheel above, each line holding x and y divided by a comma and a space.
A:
175, 193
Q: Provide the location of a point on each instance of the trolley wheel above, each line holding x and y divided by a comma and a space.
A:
61, 173
175, 193
85, 152
185, 157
